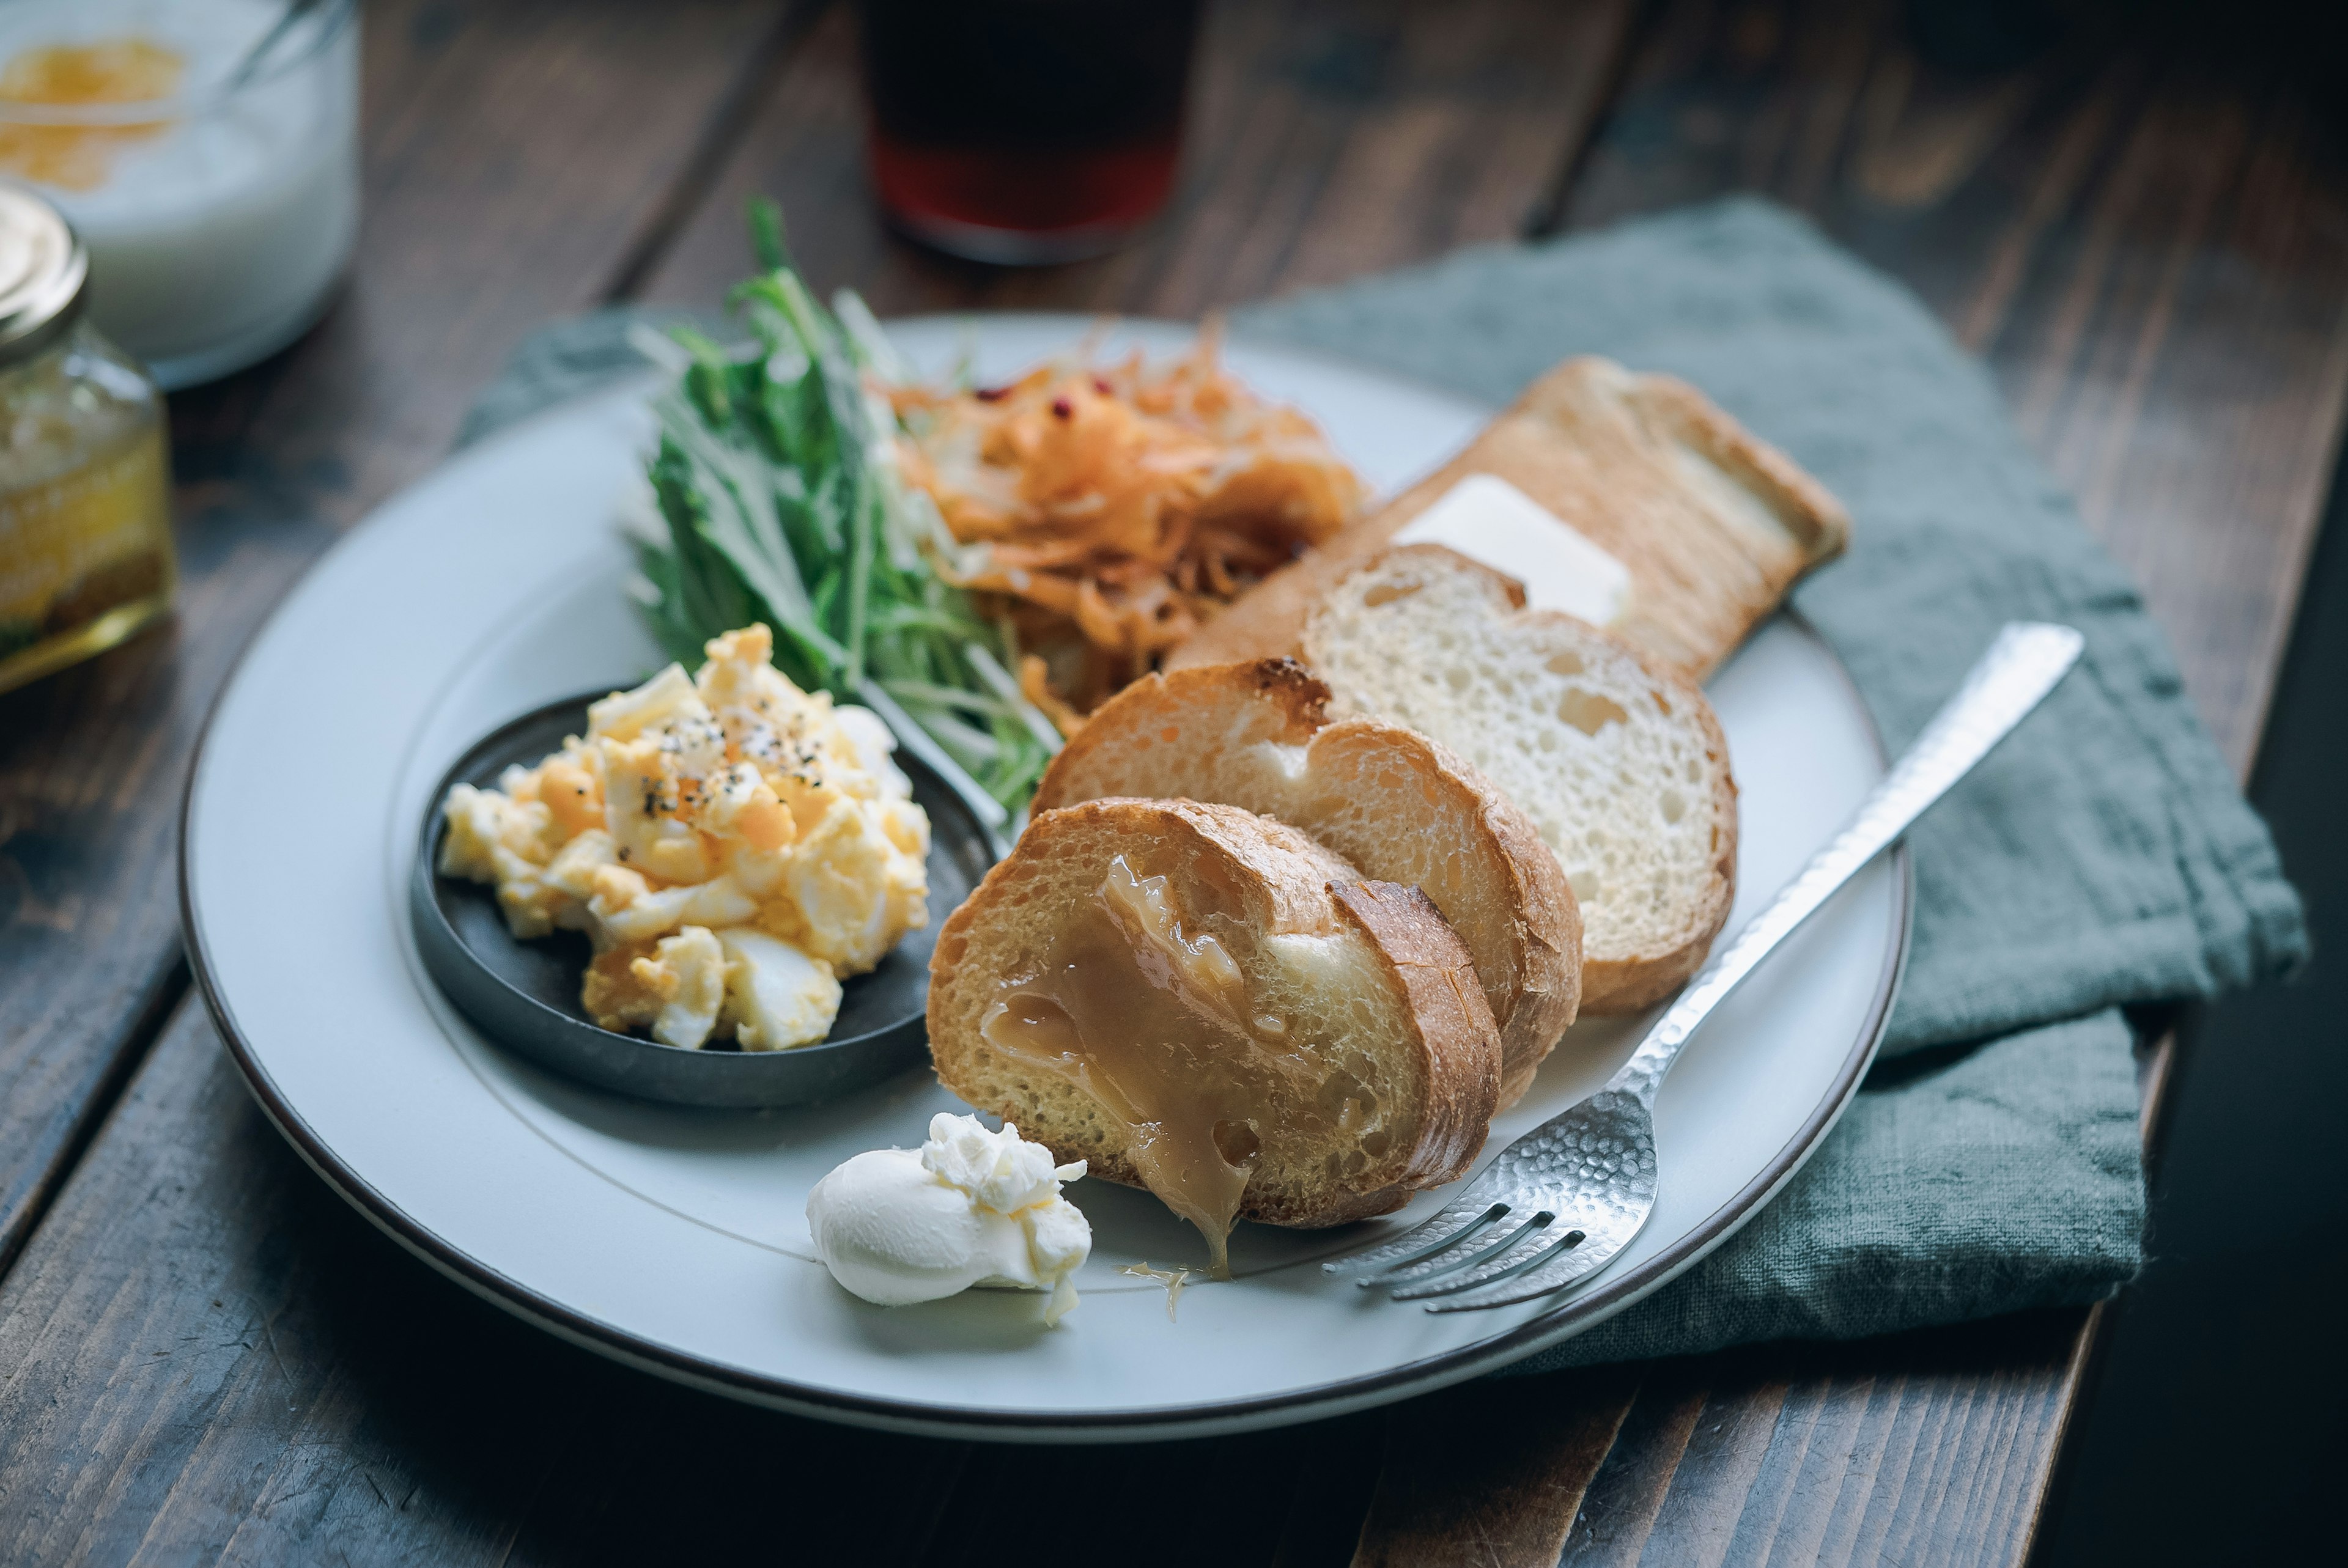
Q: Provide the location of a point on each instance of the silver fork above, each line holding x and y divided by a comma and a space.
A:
1562, 1201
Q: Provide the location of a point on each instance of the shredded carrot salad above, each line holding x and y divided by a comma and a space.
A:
1114, 508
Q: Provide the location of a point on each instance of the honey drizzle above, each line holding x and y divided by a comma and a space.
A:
1153, 1024
1173, 1279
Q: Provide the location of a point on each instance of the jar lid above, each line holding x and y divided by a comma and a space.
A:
44, 274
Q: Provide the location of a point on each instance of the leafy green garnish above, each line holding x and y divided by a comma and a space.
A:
776, 479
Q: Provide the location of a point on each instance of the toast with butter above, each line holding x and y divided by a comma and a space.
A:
1628, 500
1396, 806
1620, 764
1205, 1003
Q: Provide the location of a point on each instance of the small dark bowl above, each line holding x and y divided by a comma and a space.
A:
525, 995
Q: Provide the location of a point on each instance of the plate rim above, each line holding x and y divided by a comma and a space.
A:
1316, 1401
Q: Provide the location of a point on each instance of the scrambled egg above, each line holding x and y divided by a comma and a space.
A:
731, 845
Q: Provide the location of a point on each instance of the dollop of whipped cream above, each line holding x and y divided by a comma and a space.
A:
970, 1207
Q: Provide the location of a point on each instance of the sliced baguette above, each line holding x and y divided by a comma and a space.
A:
1713, 524
1379, 1078
1620, 765
1395, 805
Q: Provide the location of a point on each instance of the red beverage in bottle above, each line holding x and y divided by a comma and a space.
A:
1026, 130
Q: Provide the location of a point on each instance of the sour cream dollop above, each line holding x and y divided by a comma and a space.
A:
970, 1207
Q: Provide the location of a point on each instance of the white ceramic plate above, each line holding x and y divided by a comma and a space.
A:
675, 1239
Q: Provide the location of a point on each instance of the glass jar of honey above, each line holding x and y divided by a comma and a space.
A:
86, 554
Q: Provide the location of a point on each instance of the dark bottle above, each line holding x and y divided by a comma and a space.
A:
1026, 130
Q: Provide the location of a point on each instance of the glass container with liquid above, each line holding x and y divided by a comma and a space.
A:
206, 151
85, 556
1026, 130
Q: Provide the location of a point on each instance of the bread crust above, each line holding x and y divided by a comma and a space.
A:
1290, 704
1286, 883
1591, 442
1181, 728
1455, 1027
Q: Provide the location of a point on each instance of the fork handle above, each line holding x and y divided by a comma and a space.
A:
2021, 667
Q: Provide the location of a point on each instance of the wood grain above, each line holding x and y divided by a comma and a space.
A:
1919, 1448
1324, 141
205, 1355
512, 151
1506, 1486
310, 1421
2146, 238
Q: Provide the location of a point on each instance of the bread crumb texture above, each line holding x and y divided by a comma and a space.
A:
1623, 771
1295, 1056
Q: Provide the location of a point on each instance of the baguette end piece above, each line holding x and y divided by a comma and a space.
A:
1714, 524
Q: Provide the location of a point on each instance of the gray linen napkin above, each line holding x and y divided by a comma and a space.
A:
2102, 857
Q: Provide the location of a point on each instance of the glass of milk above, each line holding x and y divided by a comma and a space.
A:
216, 187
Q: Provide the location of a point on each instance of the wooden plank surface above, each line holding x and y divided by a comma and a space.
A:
1493, 1471
512, 152
290, 1420
1924, 1448
1325, 141
204, 1356
2180, 367
2146, 239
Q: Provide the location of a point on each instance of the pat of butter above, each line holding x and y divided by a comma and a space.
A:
1488, 519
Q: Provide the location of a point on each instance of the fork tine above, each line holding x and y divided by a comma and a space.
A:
1560, 1269
1439, 1267
1455, 1223
1493, 1266
1432, 1258
1412, 1280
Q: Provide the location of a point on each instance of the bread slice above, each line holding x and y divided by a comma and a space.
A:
1395, 805
1204, 1002
1620, 765
1713, 524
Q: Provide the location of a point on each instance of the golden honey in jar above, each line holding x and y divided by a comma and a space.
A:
86, 554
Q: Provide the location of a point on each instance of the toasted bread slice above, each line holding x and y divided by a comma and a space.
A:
1713, 524
1395, 805
1204, 1002
1620, 764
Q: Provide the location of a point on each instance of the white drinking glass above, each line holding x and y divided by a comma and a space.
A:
219, 218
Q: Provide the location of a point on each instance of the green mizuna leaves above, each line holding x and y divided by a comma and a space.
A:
777, 482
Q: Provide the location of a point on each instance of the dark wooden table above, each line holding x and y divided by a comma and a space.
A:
204, 1356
